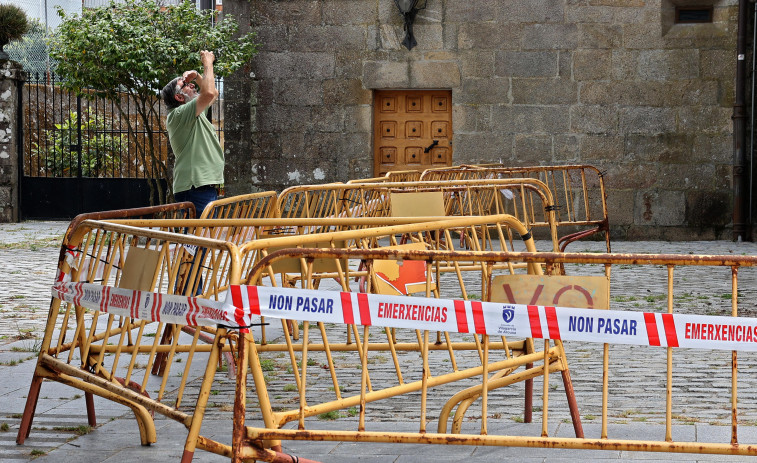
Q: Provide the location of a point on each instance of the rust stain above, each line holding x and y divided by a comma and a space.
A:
647, 208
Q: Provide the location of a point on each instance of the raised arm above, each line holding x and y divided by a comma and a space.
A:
206, 82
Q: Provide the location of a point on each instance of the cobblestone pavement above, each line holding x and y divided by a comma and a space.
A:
28, 258
28, 253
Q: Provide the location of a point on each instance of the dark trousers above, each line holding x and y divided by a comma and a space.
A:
199, 196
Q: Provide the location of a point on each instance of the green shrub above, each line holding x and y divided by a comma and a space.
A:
100, 150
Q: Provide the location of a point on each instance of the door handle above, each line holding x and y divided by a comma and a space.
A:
428, 148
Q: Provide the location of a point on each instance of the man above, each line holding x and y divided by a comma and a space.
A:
198, 170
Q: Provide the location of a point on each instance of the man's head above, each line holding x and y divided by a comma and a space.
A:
177, 92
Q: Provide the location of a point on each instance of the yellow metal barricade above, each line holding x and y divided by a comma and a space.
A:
249, 206
111, 356
454, 380
386, 272
578, 191
143, 363
529, 200
357, 384
392, 176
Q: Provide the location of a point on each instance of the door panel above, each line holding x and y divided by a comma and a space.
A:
412, 130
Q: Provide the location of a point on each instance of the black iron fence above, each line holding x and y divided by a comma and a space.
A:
70, 136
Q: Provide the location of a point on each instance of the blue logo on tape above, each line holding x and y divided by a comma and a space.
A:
508, 314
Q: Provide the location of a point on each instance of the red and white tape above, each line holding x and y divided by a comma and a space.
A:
144, 305
243, 305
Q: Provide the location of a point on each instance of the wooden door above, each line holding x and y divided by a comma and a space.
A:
412, 130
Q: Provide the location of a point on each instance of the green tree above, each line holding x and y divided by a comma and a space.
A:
128, 51
31, 50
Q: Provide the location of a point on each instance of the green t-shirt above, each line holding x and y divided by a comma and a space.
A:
199, 157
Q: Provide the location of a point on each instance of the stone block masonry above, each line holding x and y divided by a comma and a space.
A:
11, 76
616, 84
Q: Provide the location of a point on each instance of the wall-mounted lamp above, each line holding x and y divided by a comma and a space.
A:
408, 9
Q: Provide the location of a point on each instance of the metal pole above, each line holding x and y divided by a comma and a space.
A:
20, 144
739, 134
751, 118
78, 145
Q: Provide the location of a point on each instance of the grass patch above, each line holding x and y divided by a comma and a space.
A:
290, 387
331, 416
267, 365
37, 452
5, 427
78, 430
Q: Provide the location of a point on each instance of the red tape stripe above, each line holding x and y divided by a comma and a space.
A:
349, 317
79, 293
654, 338
365, 311
461, 317
153, 315
192, 311
670, 329
156, 305
533, 318
104, 298
478, 317
236, 297
134, 307
252, 297
554, 328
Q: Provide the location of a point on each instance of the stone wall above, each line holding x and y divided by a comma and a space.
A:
11, 74
612, 83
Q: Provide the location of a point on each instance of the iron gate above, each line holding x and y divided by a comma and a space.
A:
82, 154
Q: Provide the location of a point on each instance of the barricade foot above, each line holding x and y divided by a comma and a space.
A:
90, 401
187, 456
29, 409
572, 404
529, 398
